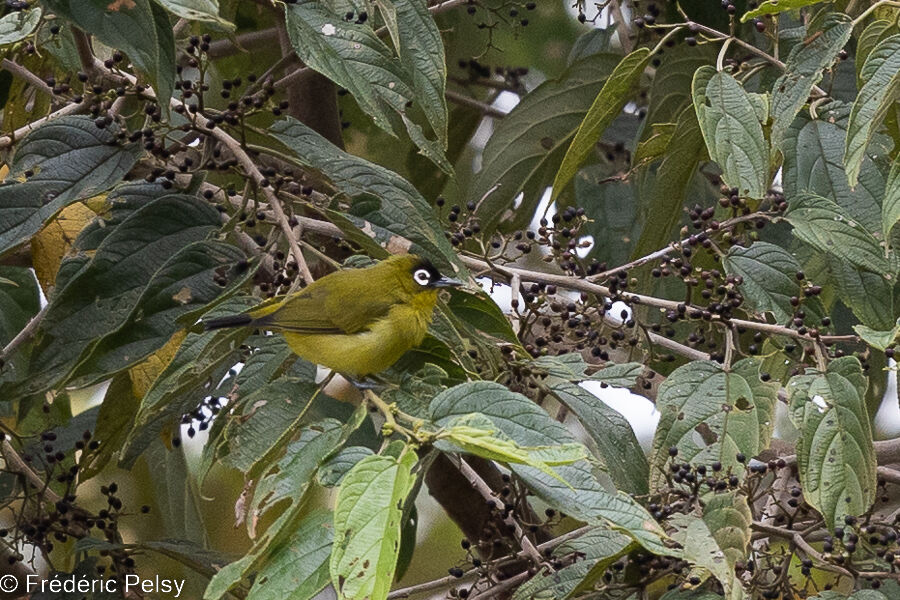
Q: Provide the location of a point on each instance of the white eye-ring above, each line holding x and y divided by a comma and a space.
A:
422, 277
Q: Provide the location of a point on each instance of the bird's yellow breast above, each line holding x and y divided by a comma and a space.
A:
374, 349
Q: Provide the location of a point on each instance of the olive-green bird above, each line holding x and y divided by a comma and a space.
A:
356, 321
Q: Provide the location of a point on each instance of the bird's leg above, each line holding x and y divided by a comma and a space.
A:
366, 383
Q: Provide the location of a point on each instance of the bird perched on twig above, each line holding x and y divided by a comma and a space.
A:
357, 321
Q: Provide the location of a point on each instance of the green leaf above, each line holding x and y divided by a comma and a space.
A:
270, 417
105, 295
878, 339
881, 74
670, 91
671, 185
196, 10
421, 51
20, 300
728, 518
835, 454
298, 569
290, 478
803, 70
475, 433
182, 287
769, 277
175, 492
765, 396
774, 7
75, 322
572, 367
822, 224
334, 469
140, 28
380, 196
596, 550
701, 548
606, 107
201, 360
890, 208
611, 432
709, 415
733, 134
354, 57
18, 25
529, 425
868, 294
481, 312
114, 421
526, 148
813, 162
367, 520
71, 159
874, 33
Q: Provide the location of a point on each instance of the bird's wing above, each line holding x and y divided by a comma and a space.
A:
318, 310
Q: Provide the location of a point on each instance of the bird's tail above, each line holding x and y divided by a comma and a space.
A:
240, 320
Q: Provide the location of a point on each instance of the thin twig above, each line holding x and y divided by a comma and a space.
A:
582, 285
623, 29
797, 539
20, 71
502, 586
15, 463
463, 100
487, 493
25, 334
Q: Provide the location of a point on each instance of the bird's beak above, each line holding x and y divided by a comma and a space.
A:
447, 282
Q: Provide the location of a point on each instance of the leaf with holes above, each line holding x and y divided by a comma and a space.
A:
367, 519
298, 569
835, 454
709, 415
731, 129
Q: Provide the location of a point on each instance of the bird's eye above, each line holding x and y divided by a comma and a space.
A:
422, 276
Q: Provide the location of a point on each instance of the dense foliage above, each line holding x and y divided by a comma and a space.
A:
693, 201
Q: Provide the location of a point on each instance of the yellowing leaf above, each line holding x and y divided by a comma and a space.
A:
144, 374
476, 434
52, 243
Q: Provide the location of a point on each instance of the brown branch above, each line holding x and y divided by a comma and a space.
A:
796, 538
474, 573
582, 285
83, 47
